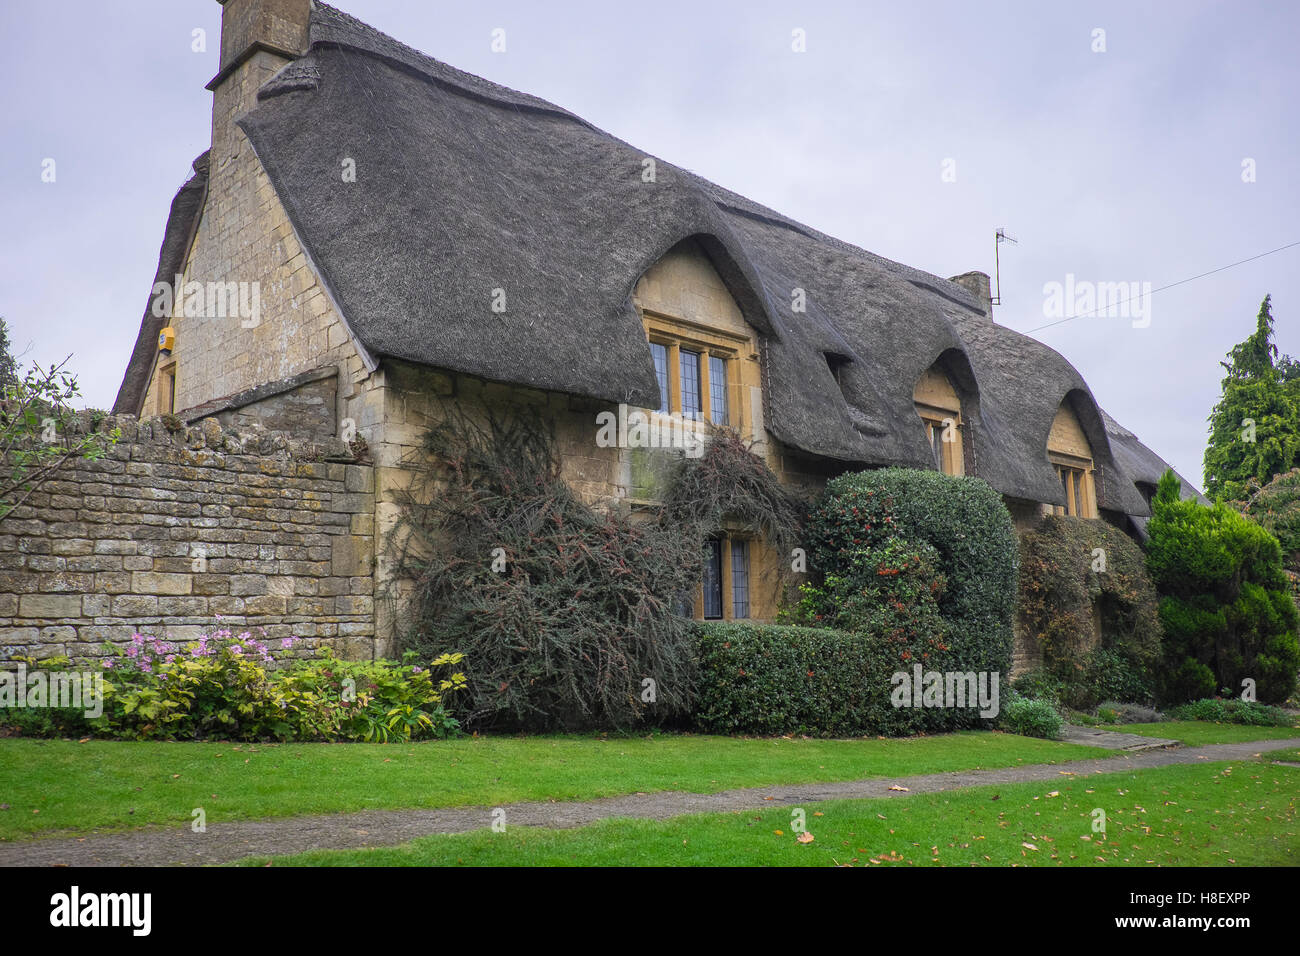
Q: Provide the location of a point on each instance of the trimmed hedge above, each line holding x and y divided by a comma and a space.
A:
780, 679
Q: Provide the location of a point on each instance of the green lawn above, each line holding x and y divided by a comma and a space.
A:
62, 785
1198, 733
1216, 814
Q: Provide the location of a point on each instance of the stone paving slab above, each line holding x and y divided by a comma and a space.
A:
225, 842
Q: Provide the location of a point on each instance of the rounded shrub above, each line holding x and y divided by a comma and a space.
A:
961, 523
1030, 718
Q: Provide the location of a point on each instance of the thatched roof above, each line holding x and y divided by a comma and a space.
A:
464, 187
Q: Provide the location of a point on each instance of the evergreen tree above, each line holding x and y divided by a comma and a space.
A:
1255, 427
1225, 607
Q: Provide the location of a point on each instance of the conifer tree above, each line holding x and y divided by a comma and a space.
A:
1255, 427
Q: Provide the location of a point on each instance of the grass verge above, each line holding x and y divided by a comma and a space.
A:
1198, 733
1212, 814
62, 787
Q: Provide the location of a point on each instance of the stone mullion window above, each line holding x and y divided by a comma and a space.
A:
739, 578
675, 377
717, 390
692, 400
706, 396
659, 352
712, 586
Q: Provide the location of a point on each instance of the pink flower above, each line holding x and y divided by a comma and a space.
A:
287, 642
108, 663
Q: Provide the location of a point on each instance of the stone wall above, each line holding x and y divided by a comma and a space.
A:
177, 531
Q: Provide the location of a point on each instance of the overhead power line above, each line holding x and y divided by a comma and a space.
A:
1110, 305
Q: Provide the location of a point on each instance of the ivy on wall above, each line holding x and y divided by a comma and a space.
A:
1087, 601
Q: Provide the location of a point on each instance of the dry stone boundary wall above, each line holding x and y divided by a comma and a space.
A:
179, 530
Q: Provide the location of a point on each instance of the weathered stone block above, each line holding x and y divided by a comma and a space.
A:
49, 605
148, 582
351, 556
135, 605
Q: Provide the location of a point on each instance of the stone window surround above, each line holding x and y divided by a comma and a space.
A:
677, 334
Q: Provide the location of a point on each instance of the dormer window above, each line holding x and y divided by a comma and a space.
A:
1147, 491
696, 375
1070, 453
939, 408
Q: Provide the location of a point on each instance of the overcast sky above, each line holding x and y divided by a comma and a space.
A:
1122, 165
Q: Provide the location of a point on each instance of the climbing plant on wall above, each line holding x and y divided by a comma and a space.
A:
1087, 602
567, 612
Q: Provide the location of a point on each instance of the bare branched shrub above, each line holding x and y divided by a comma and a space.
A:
568, 616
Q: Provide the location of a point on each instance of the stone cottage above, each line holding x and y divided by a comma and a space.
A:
374, 233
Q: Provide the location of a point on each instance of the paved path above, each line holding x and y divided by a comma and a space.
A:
224, 842
1113, 740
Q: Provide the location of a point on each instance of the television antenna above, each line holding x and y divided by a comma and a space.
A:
999, 237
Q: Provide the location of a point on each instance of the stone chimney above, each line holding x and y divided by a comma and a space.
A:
977, 284
258, 37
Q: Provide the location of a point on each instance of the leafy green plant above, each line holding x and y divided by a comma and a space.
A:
1261, 392
1276, 508
230, 686
1030, 718
40, 433
1233, 711
783, 679
951, 543
1225, 606
1088, 603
